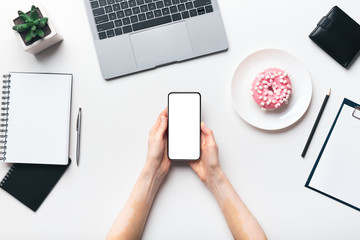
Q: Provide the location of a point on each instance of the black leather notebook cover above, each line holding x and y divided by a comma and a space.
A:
32, 183
338, 35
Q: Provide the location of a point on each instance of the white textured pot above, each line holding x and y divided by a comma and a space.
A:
40, 44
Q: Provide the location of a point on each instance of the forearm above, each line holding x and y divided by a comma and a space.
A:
241, 222
130, 222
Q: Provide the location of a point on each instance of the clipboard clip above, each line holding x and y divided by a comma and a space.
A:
356, 112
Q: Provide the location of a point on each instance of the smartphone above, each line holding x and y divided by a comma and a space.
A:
184, 119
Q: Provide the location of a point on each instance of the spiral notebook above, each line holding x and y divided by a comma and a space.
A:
336, 173
35, 118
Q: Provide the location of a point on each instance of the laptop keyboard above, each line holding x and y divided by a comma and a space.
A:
117, 17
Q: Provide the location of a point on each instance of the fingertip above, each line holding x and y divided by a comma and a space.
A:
165, 112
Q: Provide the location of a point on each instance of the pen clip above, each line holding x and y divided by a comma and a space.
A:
355, 114
77, 121
77, 124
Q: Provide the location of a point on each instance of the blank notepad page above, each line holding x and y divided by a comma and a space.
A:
338, 172
39, 118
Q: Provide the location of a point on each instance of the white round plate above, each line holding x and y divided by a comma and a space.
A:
299, 99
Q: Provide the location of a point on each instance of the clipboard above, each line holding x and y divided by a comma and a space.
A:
336, 172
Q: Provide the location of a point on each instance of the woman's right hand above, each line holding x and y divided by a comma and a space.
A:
242, 224
207, 167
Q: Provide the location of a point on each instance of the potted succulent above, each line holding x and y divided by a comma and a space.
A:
34, 30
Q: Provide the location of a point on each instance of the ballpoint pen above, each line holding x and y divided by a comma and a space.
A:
78, 130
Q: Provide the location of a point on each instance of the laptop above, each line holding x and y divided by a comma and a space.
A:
136, 35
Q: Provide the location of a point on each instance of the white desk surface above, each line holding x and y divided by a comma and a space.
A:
117, 117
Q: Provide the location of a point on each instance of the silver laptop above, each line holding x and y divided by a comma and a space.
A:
135, 35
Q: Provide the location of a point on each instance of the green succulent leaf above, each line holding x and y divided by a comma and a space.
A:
40, 33
21, 27
37, 22
24, 17
33, 33
33, 28
28, 37
43, 22
34, 14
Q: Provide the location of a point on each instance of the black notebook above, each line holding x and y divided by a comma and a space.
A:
32, 183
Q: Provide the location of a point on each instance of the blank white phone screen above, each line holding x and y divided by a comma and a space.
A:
184, 126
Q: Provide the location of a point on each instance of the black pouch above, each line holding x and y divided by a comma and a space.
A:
338, 35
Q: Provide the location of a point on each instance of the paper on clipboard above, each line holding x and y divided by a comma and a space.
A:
336, 172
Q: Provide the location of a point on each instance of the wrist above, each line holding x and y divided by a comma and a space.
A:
153, 172
215, 179
146, 185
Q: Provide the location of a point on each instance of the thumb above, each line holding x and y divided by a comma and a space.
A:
208, 134
204, 129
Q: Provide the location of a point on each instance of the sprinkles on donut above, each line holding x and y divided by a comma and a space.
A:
271, 88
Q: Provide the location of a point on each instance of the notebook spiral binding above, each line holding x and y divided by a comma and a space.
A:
4, 113
7, 175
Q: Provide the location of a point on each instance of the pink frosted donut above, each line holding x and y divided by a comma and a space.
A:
271, 88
